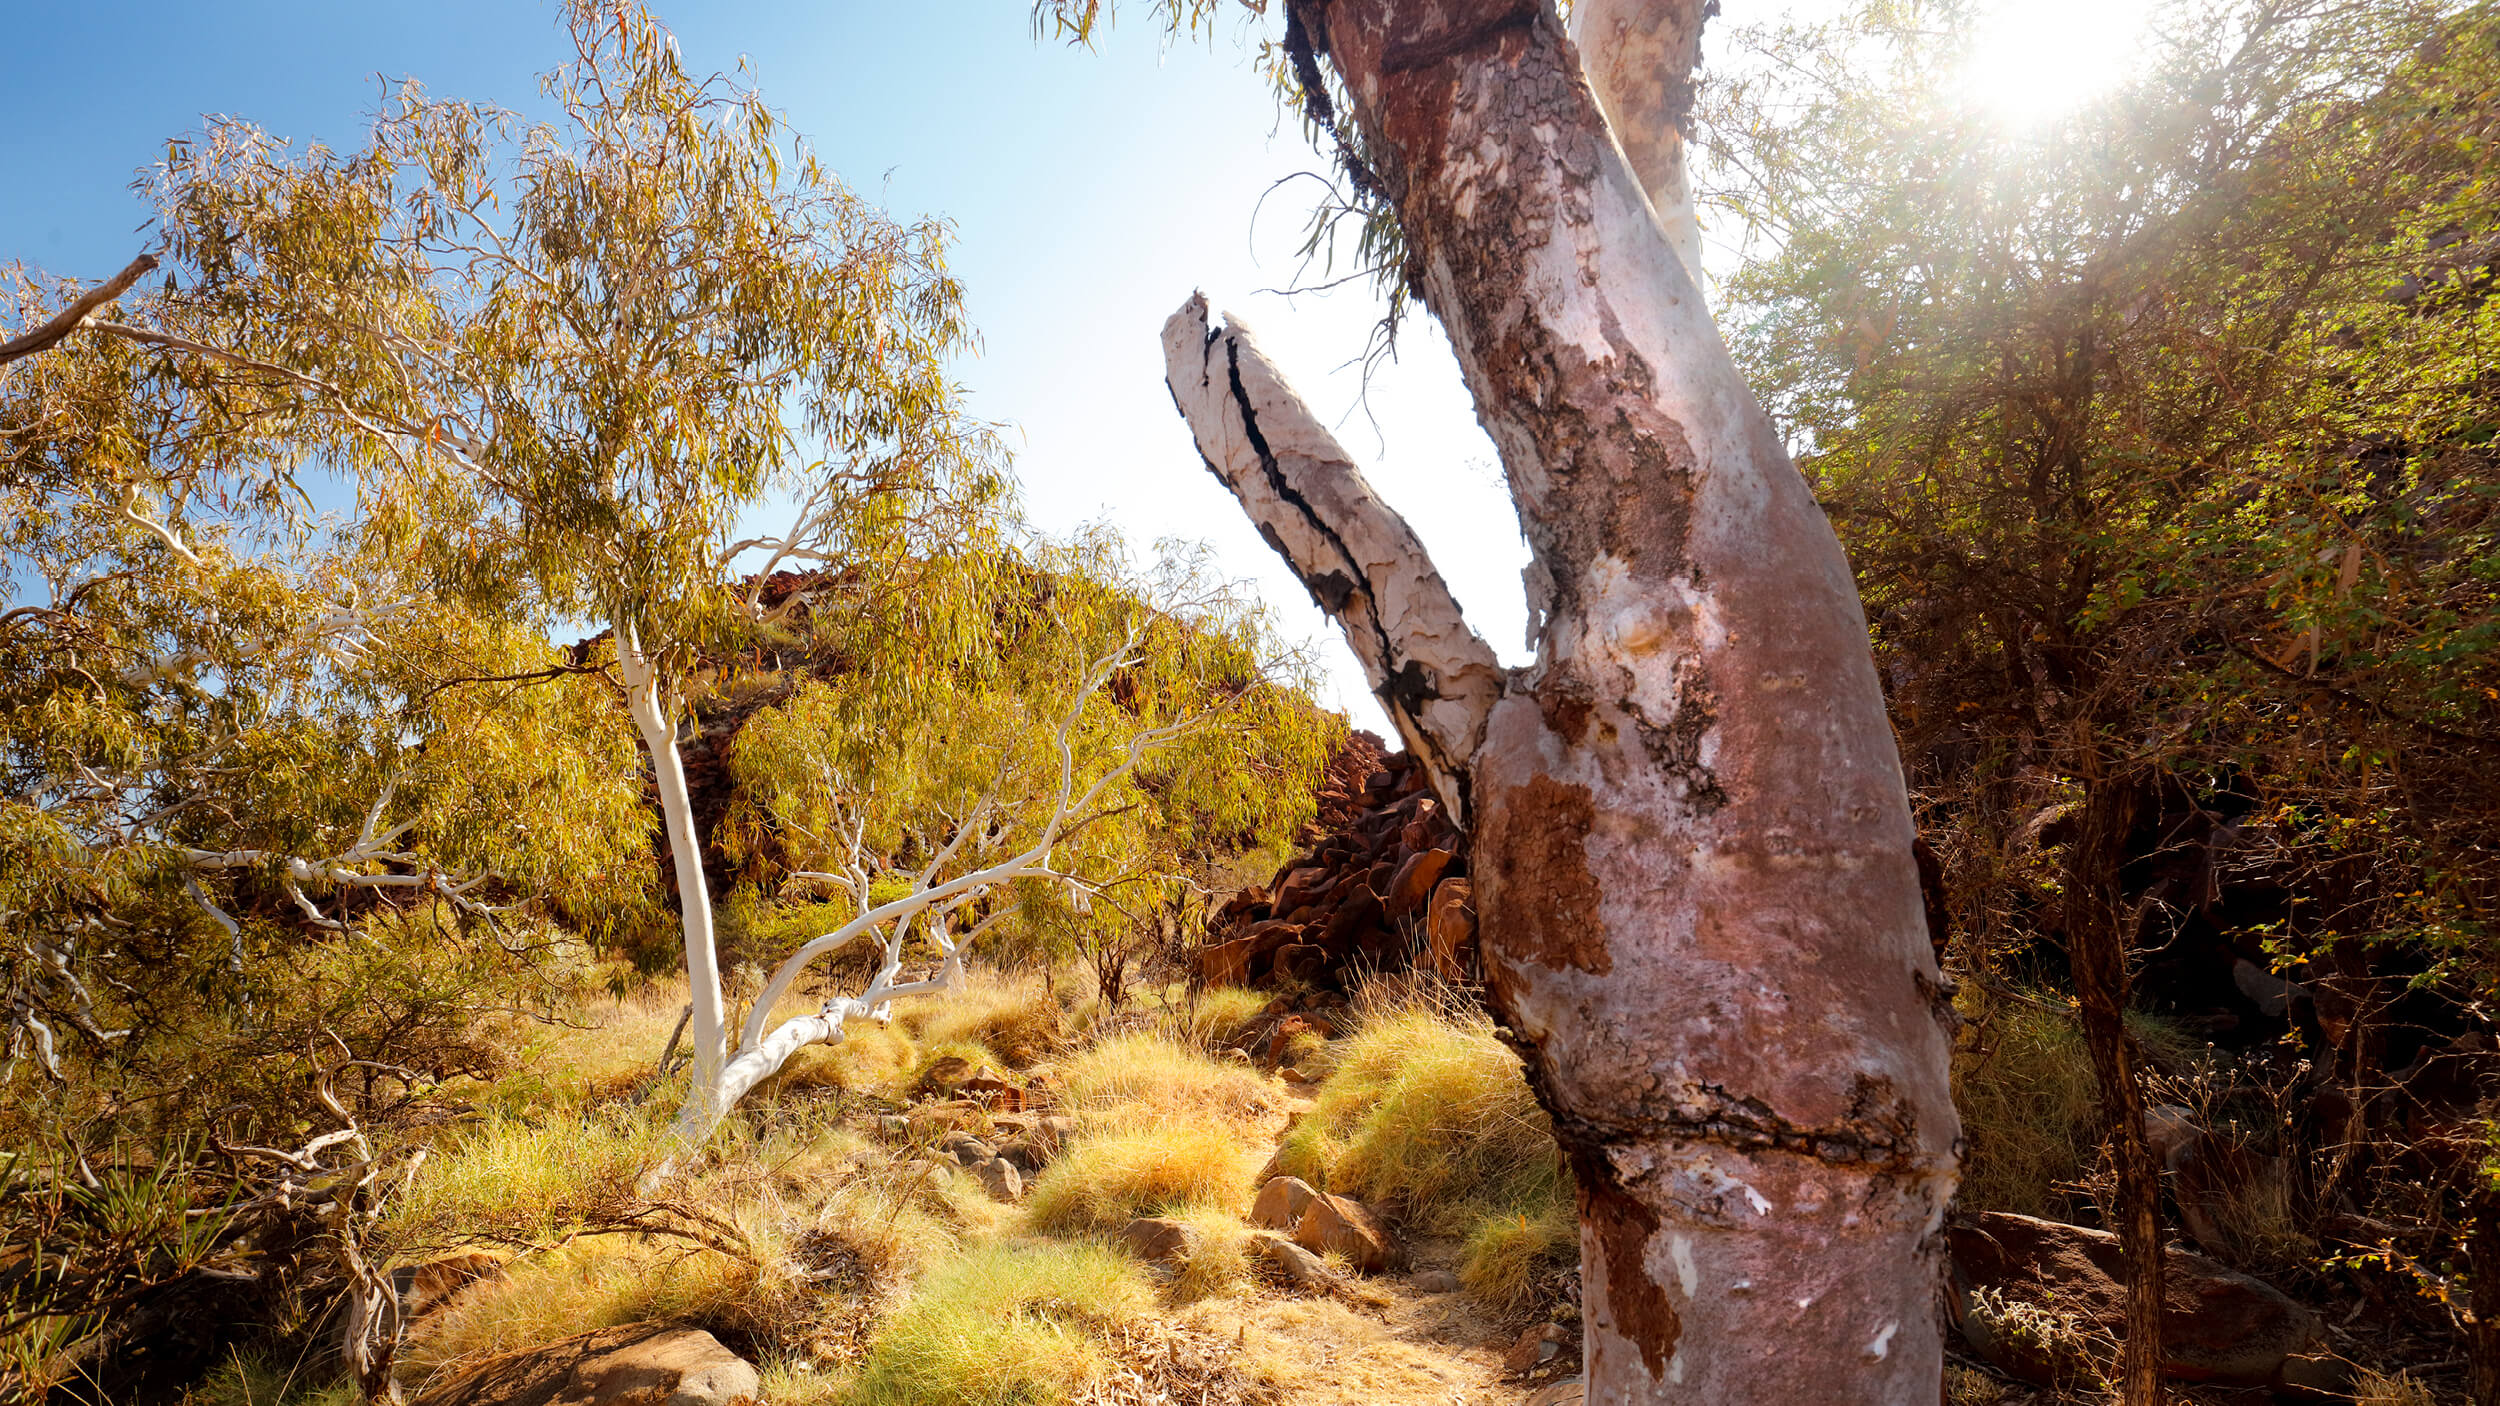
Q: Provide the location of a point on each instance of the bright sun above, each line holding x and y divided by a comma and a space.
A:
2033, 59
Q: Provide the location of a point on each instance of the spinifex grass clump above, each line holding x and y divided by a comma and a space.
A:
1428, 1114
1009, 1324
1104, 1181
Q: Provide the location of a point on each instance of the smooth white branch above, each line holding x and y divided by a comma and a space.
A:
1358, 558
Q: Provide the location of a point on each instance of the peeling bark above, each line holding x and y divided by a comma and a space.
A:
1693, 847
1639, 57
1357, 557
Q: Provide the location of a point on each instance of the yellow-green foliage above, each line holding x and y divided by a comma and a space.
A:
532, 1182
1427, 1112
254, 1381
1006, 1325
1222, 1013
586, 1285
1506, 1249
1104, 1181
2029, 1107
870, 1058
1148, 1080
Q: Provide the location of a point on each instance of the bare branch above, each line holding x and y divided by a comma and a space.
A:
1360, 561
76, 314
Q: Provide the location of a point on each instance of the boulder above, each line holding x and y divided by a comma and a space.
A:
1570, 1391
1300, 961
1225, 964
1345, 1227
1302, 886
1001, 1180
1449, 925
1157, 1240
1292, 1263
2046, 1303
1281, 1203
640, 1364
1413, 883
966, 1149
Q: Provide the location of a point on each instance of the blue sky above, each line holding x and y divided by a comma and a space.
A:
1091, 192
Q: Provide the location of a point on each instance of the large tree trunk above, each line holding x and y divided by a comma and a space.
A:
1690, 835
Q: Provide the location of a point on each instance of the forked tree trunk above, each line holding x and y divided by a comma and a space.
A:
1690, 837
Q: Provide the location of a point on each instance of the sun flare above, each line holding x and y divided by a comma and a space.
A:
2034, 59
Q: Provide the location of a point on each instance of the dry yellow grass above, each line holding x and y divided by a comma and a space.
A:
1149, 1080
2029, 1107
1105, 1180
1015, 1018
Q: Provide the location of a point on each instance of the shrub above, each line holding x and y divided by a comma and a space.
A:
1019, 1021
1507, 1249
1007, 1325
1221, 1015
1104, 1181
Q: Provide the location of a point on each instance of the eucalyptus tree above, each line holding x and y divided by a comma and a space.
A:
560, 360
1687, 820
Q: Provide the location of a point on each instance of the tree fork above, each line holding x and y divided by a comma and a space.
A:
1690, 835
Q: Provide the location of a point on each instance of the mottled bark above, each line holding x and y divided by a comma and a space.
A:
1639, 56
1691, 840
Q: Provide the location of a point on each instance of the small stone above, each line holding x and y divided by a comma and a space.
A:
967, 1149
1281, 1203
1570, 1391
1158, 1240
1294, 1263
1540, 1343
1435, 1281
1001, 1180
650, 1362
1346, 1228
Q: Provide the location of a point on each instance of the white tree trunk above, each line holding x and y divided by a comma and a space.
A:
646, 699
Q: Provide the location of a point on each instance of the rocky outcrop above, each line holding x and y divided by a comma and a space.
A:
2046, 1303
1382, 885
640, 1364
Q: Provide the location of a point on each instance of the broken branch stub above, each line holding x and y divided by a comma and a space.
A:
1358, 558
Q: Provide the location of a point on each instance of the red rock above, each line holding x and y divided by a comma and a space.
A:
1413, 883
2216, 1326
1226, 964
1303, 885
1360, 911
1300, 961
1345, 1227
1281, 1203
1157, 1240
1449, 926
1270, 935
1286, 1029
